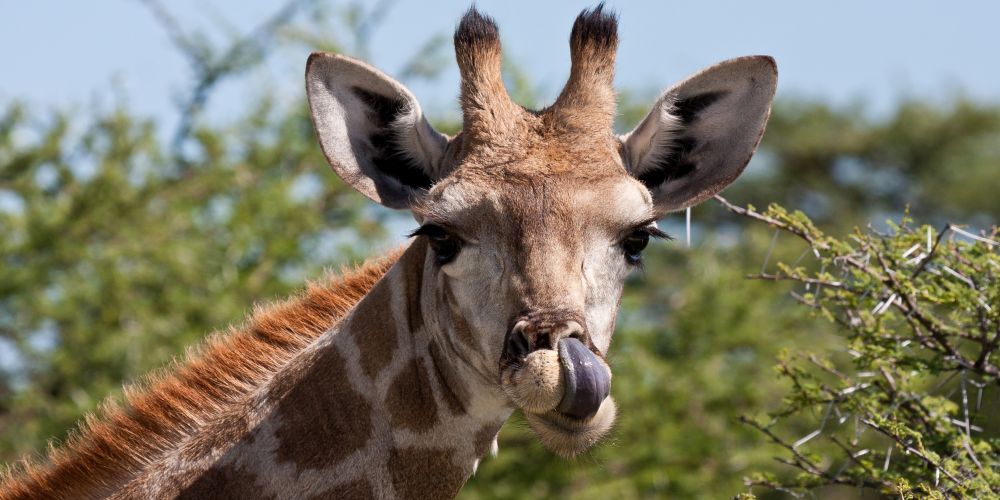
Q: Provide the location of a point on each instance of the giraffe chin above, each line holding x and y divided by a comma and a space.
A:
569, 437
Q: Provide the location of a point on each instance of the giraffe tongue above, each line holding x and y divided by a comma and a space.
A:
587, 380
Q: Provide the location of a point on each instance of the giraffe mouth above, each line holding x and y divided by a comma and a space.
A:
570, 380
564, 394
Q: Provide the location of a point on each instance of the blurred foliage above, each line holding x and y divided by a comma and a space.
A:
113, 258
119, 248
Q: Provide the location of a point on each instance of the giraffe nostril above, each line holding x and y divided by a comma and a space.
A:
517, 343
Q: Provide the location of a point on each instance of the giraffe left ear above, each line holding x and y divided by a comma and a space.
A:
372, 130
701, 133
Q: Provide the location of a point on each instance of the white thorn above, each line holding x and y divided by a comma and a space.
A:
884, 305
982, 302
960, 276
916, 259
973, 236
687, 216
805, 439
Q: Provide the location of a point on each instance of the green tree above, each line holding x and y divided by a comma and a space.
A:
918, 310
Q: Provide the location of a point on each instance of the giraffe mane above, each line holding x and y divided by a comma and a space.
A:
114, 443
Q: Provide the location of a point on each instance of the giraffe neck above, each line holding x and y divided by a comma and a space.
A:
383, 406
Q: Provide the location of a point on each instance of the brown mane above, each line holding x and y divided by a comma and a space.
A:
115, 442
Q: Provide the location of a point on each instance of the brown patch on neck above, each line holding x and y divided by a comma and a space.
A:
360, 489
110, 449
410, 400
425, 473
322, 418
414, 262
459, 325
371, 325
224, 483
374, 335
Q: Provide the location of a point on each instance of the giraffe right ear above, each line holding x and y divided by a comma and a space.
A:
701, 132
372, 131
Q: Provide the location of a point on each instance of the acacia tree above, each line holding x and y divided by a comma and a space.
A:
919, 312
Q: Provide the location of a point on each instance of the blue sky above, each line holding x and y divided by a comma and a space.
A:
58, 54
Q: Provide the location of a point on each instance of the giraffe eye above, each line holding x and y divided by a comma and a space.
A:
635, 242
444, 244
633, 245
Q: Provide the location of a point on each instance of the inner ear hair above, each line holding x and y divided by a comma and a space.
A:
389, 120
669, 157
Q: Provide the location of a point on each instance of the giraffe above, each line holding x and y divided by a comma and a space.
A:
393, 380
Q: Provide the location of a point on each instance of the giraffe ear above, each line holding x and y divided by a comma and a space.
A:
372, 130
701, 132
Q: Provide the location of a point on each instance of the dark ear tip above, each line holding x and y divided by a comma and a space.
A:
770, 66
315, 59
476, 28
769, 61
315, 56
595, 26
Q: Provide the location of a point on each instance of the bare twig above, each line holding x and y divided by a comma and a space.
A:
773, 222
917, 453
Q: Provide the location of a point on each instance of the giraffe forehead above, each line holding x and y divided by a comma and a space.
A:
539, 203
571, 147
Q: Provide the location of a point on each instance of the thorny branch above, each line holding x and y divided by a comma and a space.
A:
906, 329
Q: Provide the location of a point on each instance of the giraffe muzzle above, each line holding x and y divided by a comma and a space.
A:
548, 366
551, 371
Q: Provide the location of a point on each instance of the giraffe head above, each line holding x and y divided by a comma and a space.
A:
535, 218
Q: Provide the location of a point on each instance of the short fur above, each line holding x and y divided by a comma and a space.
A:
486, 107
589, 92
119, 440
